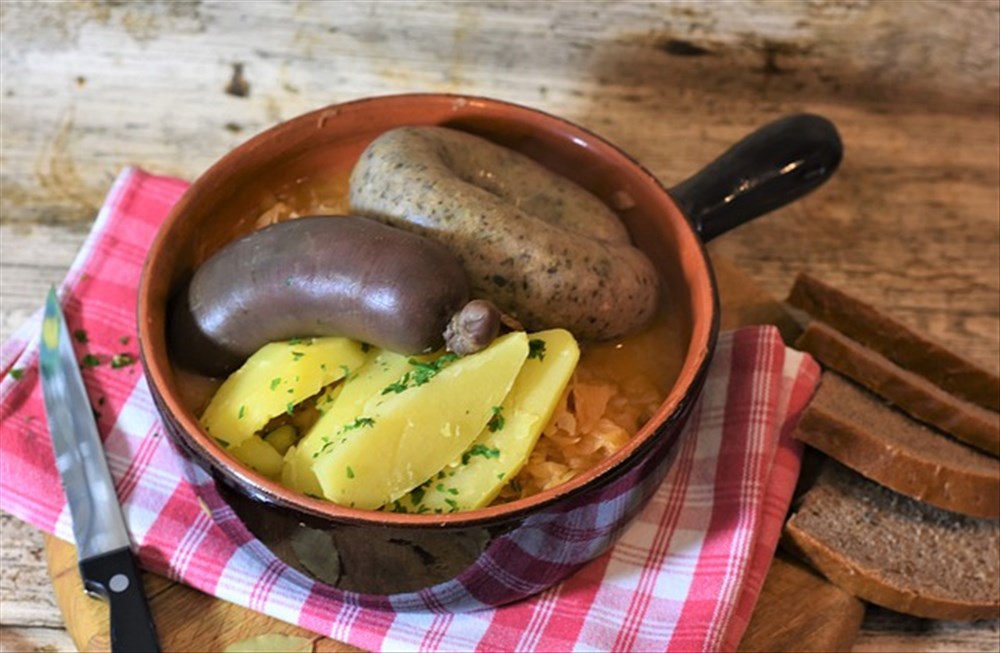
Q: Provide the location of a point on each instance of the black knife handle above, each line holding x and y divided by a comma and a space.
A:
114, 577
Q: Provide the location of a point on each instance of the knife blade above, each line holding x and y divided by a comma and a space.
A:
103, 546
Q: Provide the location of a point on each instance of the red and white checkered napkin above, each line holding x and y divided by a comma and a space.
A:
684, 576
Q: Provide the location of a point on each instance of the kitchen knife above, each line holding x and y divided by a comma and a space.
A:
103, 547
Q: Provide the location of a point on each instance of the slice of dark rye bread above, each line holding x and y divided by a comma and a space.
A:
896, 552
854, 427
908, 349
910, 392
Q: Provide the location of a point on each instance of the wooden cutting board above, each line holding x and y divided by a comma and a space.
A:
188, 620
779, 623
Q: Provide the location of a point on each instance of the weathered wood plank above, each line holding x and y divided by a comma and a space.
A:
32, 258
36, 640
90, 86
28, 599
888, 632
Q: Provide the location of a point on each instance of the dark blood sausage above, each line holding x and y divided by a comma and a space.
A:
541, 248
321, 276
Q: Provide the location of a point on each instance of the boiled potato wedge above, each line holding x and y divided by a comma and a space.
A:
257, 454
273, 381
416, 425
497, 455
380, 369
282, 438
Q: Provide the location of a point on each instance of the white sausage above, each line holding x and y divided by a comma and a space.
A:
540, 247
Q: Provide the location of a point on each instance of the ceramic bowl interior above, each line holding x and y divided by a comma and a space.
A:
318, 150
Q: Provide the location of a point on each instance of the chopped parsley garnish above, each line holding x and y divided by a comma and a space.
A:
296, 355
479, 449
398, 386
452, 503
417, 494
243, 411
121, 360
80, 335
497, 421
484, 451
90, 361
224, 443
359, 422
536, 349
295, 341
346, 370
350, 472
424, 372
275, 382
16, 373
290, 408
420, 374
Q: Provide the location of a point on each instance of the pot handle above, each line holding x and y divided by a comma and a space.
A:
773, 166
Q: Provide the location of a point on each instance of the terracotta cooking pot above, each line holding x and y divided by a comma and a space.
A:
502, 553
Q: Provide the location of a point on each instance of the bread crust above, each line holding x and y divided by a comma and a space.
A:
910, 350
939, 481
912, 393
866, 584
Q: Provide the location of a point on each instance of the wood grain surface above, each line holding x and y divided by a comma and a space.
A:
780, 624
910, 222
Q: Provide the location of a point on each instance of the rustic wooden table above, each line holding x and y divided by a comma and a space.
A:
911, 221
